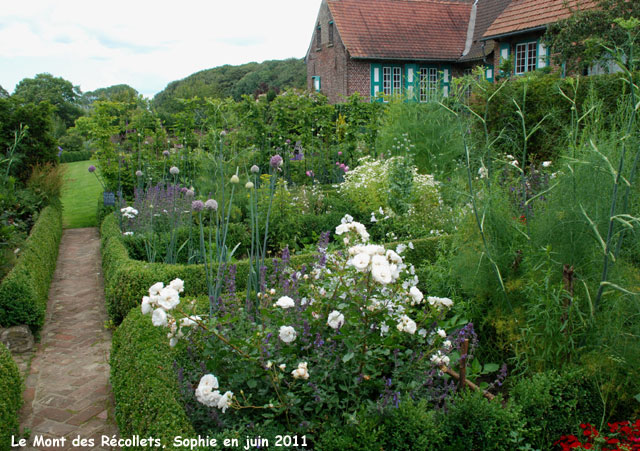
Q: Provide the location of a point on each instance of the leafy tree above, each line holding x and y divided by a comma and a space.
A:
115, 93
577, 40
231, 81
56, 90
37, 145
3, 93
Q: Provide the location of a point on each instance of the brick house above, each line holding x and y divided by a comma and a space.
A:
414, 47
518, 30
398, 47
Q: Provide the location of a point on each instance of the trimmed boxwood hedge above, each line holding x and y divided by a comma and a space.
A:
127, 280
144, 383
10, 397
24, 291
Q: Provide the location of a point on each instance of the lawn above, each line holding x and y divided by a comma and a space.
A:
79, 196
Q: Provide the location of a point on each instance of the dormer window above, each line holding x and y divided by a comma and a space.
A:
318, 36
331, 33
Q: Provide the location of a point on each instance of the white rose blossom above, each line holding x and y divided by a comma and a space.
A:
301, 372
287, 334
335, 319
159, 317
285, 302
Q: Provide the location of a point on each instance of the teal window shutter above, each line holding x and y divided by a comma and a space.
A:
316, 83
488, 72
446, 80
411, 76
376, 82
543, 55
505, 52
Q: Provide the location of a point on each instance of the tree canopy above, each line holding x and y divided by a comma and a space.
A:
232, 81
60, 93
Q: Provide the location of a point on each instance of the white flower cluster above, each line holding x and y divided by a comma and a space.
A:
335, 320
208, 394
349, 225
440, 359
129, 212
385, 265
160, 302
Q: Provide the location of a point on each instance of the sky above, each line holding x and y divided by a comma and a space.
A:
146, 44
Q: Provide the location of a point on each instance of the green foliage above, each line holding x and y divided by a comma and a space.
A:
410, 426
71, 157
579, 40
232, 81
10, 397
144, 383
436, 144
56, 90
37, 146
472, 422
116, 93
553, 403
24, 291
544, 102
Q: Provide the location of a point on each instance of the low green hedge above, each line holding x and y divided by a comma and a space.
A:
128, 280
10, 397
24, 291
78, 155
144, 383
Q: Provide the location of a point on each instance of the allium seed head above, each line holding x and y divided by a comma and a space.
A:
174, 170
197, 205
211, 204
276, 161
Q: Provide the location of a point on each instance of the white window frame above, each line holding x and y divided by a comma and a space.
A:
429, 83
526, 57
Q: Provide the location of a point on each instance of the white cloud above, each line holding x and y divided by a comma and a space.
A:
143, 43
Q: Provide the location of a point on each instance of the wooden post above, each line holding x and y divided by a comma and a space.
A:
468, 383
463, 364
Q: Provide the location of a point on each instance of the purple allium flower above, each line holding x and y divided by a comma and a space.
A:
184, 190
276, 161
288, 141
138, 173
174, 170
339, 152
211, 204
255, 169
189, 193
197, 205
165, 153
92, 168
223, 133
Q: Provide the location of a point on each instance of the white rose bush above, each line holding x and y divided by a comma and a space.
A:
353, 329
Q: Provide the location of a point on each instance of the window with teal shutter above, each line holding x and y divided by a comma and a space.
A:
316, 83
543, 55
445, 81
505, 53
376, 82
488, 72
411, 76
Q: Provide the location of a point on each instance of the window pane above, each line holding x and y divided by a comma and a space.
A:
521, 56
386, 80
423, 84
397, 80
532, 56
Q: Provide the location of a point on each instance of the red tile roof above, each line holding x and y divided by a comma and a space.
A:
522, 15
402, 29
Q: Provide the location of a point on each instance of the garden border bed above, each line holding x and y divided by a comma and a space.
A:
128, 280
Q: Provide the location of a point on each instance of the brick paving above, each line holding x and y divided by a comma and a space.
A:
67, 391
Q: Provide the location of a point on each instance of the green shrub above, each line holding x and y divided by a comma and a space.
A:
144, 384
80, 155
24, 292
473, 422
553, 404
10, 397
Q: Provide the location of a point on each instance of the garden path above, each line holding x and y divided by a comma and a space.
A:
67, 391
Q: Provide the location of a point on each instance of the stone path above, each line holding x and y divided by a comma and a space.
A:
67, 391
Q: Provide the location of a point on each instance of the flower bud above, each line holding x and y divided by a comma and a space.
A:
234, 179
249, 185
